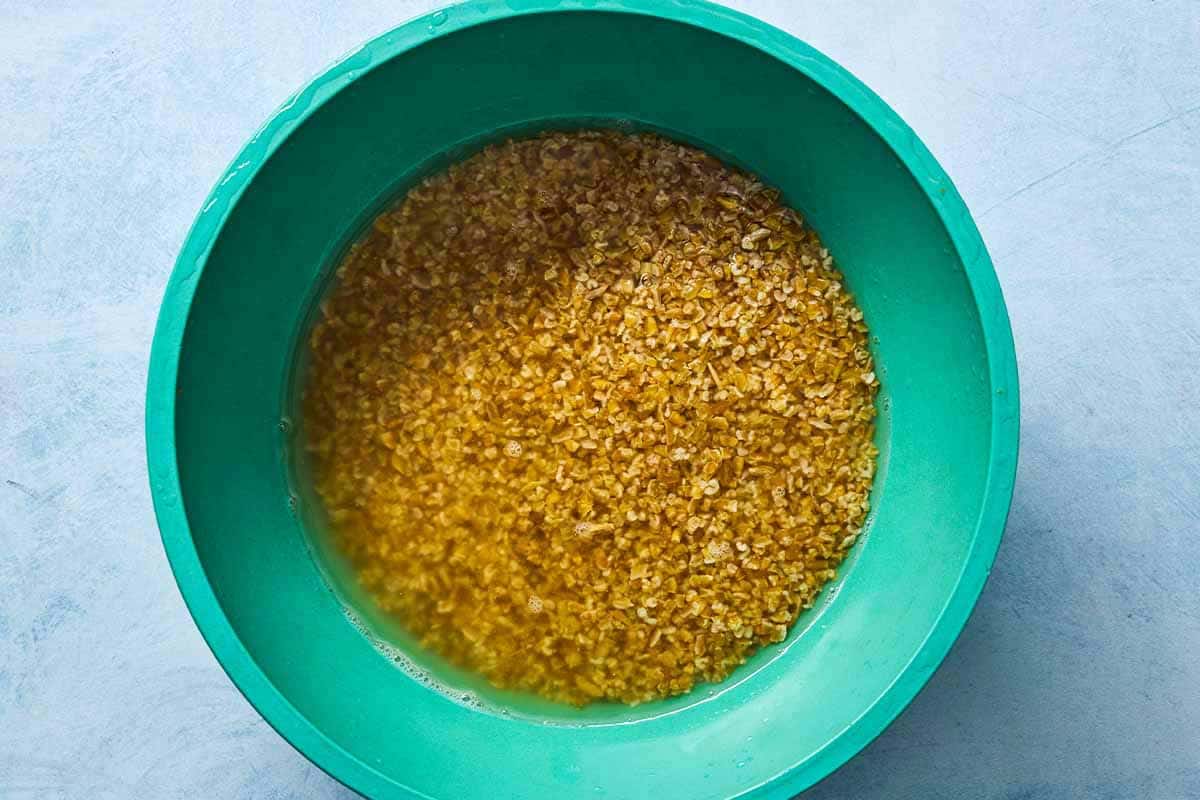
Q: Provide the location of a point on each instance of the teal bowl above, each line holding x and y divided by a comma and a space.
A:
222, 389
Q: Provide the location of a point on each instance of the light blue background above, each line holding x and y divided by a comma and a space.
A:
1071, 128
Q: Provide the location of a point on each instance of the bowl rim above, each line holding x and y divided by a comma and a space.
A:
173, 524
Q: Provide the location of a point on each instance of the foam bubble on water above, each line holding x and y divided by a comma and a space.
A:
462, 697
413, 670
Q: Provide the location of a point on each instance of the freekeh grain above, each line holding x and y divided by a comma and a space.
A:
592, 414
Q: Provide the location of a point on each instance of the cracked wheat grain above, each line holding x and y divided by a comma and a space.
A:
592, 414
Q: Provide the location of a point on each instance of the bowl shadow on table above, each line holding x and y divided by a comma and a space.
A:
1031, 703
937, 747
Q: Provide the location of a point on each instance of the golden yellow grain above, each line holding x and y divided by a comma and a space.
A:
592, 414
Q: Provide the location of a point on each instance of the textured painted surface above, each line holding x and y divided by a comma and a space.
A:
1073, 131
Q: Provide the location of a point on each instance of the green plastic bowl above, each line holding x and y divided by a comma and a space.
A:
221, 389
